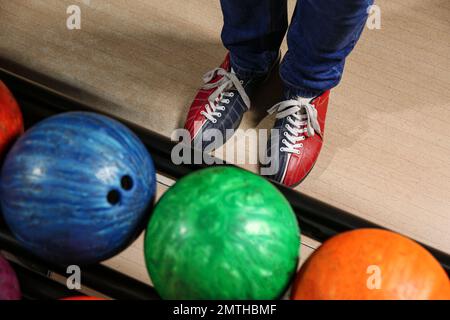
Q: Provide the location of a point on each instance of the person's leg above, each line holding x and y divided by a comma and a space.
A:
253, 31
322, 34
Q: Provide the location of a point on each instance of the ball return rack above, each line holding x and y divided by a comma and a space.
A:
318, 220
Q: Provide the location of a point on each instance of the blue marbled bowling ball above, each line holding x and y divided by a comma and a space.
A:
77, 188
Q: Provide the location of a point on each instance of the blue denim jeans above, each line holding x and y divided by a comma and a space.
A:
321, 35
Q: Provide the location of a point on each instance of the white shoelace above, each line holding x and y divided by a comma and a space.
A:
220, 97
302, 122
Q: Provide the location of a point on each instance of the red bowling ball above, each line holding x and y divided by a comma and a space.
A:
11, 122
9, 285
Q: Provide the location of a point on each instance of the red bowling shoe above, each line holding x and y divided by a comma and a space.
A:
300, 125
220, 105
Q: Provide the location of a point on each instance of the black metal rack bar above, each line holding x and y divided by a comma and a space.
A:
101, 278
38, 287
317, 219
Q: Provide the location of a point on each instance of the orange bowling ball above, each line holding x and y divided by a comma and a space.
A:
371, 264
11, 122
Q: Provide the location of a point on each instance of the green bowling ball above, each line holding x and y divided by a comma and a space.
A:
222, 233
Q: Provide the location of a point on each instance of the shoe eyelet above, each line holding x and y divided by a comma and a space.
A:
241, 81
219, 115
285, 134
284, 140
214, 121
231, 94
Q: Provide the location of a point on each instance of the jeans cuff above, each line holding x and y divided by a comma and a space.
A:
245, 72
290, 91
